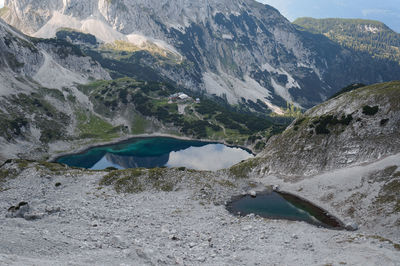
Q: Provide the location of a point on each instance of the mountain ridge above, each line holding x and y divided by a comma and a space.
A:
242, 51
370, 36
356, 127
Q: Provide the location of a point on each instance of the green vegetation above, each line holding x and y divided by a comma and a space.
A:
384, 122
292, 110
298, 123
92, 126
4, 175
243, 169
52, 167
43, 116
348, 89
156, 173
321, 124
371, 111
390, 192
54, 93
369, 36
11, 40
153, 49
138, 180
125, 59
147, 100
114, 175
61, 47
3, 11
74, 35
125, 181
139, 124
381, 92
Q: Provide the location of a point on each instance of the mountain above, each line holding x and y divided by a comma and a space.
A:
92, 217
54, 98
369, 36
356, 127
45, 61
36, 78
113, 69
243, 51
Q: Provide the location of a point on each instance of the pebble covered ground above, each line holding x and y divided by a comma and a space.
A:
72, 220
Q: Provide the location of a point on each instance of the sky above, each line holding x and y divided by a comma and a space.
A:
1, 3
387, 11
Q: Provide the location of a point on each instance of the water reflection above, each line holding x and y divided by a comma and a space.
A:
105, 163
280, 205
210, 157
157, 152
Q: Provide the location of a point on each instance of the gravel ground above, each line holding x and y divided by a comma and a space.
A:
79, 222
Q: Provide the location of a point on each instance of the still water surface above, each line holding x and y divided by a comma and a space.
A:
279, 205
157, 152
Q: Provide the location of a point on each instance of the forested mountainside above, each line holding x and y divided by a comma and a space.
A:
369, 36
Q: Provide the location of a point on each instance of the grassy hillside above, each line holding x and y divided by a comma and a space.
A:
360, 125
147, 107
368, 36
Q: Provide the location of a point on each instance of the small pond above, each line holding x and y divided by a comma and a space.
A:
158, 152
280, 205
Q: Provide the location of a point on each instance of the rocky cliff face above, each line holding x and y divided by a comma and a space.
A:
37, 84
238, 49
18, 54
357, 127
43, 60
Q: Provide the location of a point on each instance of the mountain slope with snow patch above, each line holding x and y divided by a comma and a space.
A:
234, 39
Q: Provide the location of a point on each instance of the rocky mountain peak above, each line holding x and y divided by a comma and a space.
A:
240, 50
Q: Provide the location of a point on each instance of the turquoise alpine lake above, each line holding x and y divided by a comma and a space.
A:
280, 205
158, 152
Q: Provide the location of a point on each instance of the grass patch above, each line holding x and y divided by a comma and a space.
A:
139, 125
243, 169
22, 164
54, 93
138, 180
128, 184
5, 175
390, 193
155, 50
92, 126
125, 181
110, 178
156, 173
3, 11
52, 167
